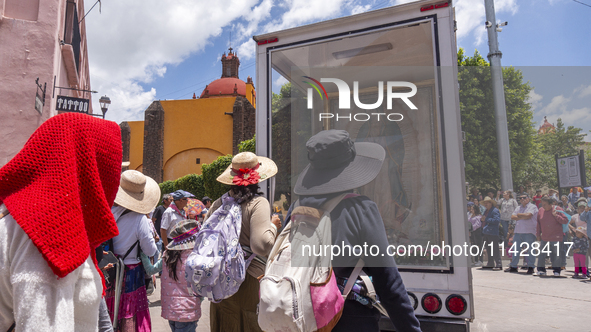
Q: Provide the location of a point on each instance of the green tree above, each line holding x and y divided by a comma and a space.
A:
166, 187
192, 183
248, 146
562, 141
541, 171
478, 121
213, 188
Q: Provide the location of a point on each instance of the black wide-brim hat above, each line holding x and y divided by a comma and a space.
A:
337, 164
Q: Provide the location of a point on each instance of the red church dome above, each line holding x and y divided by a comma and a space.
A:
225, 86
546, 127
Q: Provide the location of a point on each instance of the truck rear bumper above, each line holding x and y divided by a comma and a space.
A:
429, 324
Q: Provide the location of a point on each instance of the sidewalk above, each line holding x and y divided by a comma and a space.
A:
503, 302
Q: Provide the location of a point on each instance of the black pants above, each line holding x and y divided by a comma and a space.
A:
476, 237
494, 256
357, 317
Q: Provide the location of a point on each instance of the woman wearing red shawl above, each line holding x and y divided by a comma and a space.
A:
56, 196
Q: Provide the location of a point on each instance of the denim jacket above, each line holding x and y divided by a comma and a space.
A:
491, 223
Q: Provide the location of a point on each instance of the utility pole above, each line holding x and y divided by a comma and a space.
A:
494, 56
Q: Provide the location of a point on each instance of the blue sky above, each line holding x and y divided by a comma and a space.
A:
145, 50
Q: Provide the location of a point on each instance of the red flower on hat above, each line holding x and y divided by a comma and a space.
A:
246, 176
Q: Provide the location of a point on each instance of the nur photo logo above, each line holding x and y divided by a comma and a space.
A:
344, 98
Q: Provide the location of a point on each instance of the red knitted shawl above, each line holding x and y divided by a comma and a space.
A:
60, 188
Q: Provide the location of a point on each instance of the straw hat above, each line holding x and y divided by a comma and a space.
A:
490, 200
183, 235
582, 230
247, 168
338, 164
137, 192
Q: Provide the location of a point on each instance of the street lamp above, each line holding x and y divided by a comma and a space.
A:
105, 102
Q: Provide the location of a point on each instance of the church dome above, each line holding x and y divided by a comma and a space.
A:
229, 85
225, 86
546, 127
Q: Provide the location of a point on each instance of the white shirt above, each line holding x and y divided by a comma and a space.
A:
169, 219
132, 226
33, 296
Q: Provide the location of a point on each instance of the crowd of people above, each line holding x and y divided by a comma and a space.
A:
80, 240
543, 229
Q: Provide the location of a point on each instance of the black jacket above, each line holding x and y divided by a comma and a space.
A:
357, 221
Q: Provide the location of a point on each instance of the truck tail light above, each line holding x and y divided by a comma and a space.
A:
431, 303
435, 6
413, 300
456, 304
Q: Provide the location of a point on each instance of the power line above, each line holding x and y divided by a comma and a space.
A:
582, 3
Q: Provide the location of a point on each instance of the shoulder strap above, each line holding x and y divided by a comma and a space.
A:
352, 278
130, 249
11, 328
331, 204
371, 292
3, 211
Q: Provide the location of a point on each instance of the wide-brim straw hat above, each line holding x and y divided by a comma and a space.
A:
184, 235
337, 164
247, 161
490, 200
137, 192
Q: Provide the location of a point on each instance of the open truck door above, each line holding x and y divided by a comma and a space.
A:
388, 76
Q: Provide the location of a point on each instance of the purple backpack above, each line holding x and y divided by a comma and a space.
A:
216, 268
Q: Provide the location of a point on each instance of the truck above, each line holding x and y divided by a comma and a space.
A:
387, 76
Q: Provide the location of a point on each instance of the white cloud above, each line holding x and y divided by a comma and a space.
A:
247, 47
557, 106
305, 11
131, 42
583, 91
535, 100
358, 9
280, 81
295, 13
247, 50
470, 15
579, 118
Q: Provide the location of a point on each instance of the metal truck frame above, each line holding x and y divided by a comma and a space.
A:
283, 53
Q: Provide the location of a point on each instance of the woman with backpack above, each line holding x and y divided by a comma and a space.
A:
339, 166
258, 230
137, 196
179, 307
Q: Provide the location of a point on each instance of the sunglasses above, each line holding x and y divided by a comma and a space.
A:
525, 197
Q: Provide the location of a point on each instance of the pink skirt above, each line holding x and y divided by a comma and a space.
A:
134, 313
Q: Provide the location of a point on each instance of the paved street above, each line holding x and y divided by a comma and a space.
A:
503, 302
520, 302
